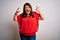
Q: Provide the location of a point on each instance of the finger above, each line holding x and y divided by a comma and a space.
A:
17, 8
37, 7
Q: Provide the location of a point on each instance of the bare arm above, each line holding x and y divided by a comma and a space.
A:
16, 14
15, 17
41, 14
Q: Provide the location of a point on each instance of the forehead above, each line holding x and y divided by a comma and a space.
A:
26, 6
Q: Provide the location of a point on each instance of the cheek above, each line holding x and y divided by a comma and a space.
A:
29, 9
25, 9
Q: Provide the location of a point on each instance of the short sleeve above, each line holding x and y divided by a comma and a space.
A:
37, 15
19, 20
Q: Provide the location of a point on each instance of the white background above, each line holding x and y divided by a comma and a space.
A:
49, 29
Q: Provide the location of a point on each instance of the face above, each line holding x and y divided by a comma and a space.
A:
27, 9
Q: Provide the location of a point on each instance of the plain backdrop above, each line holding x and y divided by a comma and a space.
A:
49, 29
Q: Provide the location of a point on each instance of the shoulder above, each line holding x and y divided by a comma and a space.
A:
20, 15
35, 13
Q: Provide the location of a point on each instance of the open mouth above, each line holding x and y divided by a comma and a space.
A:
27, 10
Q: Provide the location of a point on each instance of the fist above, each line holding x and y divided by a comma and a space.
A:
17, 11
37, 8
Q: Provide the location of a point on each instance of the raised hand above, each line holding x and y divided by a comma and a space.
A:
40, 13
17, 11
15, 15
37, 9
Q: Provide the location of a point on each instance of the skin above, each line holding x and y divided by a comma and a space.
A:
28, 9
40, 12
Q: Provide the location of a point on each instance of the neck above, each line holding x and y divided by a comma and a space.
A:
28, 15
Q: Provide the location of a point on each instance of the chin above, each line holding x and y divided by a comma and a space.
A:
28, 13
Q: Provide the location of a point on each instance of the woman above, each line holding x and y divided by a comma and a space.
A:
28, 22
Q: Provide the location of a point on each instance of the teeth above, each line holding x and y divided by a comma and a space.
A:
27, 10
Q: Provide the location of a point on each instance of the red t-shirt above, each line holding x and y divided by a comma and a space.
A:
28, 26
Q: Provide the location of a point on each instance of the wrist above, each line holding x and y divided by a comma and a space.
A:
16, 13
39, 11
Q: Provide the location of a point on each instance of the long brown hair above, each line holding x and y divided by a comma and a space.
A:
24, 13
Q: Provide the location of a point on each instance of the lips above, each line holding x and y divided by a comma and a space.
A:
27, 11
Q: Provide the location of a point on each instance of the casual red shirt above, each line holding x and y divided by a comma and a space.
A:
28, 26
